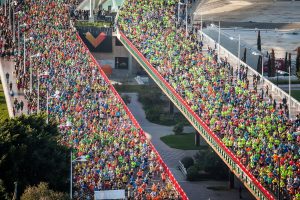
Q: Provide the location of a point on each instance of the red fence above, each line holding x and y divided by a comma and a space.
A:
169, 173
207, 129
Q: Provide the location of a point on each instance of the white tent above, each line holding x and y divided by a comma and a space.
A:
109, 194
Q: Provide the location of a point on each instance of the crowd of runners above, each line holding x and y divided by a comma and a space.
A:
67, 84
249, 121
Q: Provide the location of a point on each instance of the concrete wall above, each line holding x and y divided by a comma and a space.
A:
119, 51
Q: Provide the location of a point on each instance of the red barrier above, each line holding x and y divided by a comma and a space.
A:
207, 129
171, 177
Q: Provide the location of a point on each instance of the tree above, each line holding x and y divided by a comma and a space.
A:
187, 161
178, 128
273, 67
30, 153
192, 173
269, 66
286, 64
290, 60
245, 56
298, 60
259, 66
258, 41
42, 191
3, 193
211, 163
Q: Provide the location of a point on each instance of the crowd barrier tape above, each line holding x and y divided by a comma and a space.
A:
225, 153
137, 125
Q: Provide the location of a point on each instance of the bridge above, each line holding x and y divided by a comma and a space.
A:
131, 38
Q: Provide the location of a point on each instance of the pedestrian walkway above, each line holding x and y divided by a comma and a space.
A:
8, 66
194, 190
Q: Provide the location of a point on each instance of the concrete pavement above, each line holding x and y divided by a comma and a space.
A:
9, 67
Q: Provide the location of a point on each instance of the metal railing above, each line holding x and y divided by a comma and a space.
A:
272, 87
253, 185
182, 168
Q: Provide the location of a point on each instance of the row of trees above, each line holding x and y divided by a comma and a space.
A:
205, 165
272, 61
30, 154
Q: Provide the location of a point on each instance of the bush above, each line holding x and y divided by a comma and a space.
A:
178, 128
153, 114
166, 119
42, 191
187, 162
126, 98
210, 162
192, 173
150, 98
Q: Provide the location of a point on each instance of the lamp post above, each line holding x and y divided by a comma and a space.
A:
186, 16
56, 95
9, 14
13, 22
262, 62
178, 8
219, 40
201, 27
19, 53
79, 159
14, 26
33, 56
277, 75
279, 174
38, 92
24, 50
239, 52
186, 31
290, 91
239, 49
91, 11
5, 1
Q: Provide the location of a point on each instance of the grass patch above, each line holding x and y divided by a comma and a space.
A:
3, 107
280, 82
295, 94
184, 141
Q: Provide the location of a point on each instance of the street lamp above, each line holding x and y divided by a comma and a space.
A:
24, 50
201, 28
186, 14
290, 91
219, 39
239, 49
33, 56
78, 159
9, 14
91, 10
56, 95
14, 34
46, 74
5, 1
178, 8
262, 61
278, 151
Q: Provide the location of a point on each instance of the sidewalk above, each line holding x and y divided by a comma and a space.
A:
8, 67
